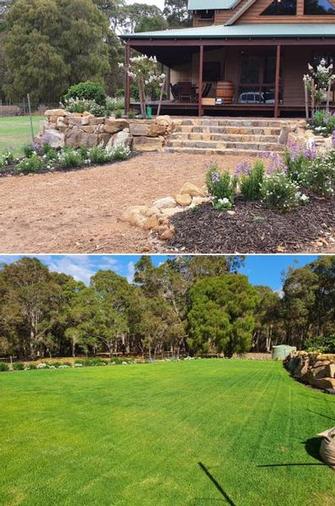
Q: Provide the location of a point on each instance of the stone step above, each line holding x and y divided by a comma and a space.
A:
222, 137
260, 122
230, 130
222, 146
197, 151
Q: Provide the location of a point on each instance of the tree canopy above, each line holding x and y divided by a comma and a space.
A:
189, 305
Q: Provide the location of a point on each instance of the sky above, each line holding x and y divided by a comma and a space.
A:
260, 269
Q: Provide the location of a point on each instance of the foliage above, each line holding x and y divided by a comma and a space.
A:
194, 305
322, 122
119, 153
70, 158
297, 158
177, 13
87, 90
60, 43
18, 366
221, 315
146, 73
321, 344
221, 186
251, 182
31, 164
99, 155
319, 175
280, 192
4, 367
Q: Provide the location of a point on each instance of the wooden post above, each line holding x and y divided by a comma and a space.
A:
277, 82
31, 119
201, 69
306, 100
127, 80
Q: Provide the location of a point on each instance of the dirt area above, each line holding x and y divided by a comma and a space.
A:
252, 228
79, 211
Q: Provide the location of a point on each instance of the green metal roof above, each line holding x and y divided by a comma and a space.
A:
201, 5
301, 30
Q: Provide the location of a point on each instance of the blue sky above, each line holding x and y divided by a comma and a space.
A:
261, 269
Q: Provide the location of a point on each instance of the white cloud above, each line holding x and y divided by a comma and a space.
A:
80, 267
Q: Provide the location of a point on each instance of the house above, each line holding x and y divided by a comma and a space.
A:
241, 56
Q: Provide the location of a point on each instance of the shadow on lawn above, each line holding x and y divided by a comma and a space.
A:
217, 485
312, 447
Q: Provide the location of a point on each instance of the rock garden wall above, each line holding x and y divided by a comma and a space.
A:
75, 130
313, 369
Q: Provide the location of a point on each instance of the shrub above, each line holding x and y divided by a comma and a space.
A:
251, 183
18, 366
97, 109
70, 158
31, 366
49, 153
222, 187
99, 155
28, 150
87, 90
319, 175
321, 344
323, 123
118, 114
6, 159
280, 192
120, 153
4, 367
31, 164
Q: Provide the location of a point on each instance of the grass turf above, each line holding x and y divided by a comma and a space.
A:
15, 132
135, 435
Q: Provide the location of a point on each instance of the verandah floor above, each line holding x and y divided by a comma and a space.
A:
191, 109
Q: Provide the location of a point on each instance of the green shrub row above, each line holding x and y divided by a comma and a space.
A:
84, 362
47, 159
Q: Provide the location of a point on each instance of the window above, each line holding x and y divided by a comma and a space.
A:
318, 7
206, 14
282, 8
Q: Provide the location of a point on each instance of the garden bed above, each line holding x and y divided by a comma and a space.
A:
253, 228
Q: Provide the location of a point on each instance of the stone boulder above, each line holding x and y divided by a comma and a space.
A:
122, 138
55, 112
147, 144
74, 138
53, 137
112, 125
192, 190
165, 203
183, 199
139, 128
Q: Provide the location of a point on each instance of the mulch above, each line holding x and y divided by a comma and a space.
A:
252, 228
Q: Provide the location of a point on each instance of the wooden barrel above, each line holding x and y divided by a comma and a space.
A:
225, 90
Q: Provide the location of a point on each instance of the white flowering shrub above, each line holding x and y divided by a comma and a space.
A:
144, 70
280, 192
319, 176
318, 83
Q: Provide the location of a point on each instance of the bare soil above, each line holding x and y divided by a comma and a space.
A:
79, 211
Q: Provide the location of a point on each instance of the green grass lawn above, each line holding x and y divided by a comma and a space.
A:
15, 132
135, 435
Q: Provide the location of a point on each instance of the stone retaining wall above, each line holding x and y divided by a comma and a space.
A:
75, 130
314, 369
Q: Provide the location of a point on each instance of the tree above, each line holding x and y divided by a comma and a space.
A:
221, 314
268, 322
30, 297
176, 13
51, 44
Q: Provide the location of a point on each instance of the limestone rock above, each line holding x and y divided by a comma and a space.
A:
73, 138
145, 144
85, 120
139, 129
53, 137
183, 199
164, 203
134, 217
168, 233
112, 126
192, 190
122, 138
151, 222
55, 112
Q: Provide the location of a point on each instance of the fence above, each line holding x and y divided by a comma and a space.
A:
22, 109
